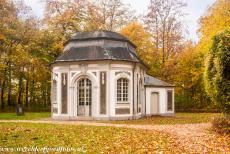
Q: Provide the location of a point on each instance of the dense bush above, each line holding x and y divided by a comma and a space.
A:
217, 71
221, 125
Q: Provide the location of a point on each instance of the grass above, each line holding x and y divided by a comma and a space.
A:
179, 118
91, 139
26, 116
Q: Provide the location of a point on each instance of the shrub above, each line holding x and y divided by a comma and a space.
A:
221, 125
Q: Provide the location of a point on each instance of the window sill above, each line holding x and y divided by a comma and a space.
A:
122, 103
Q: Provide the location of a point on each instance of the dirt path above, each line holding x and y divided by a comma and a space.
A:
193, 138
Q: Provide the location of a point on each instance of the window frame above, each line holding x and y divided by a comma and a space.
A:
84, 92
172, 101
122, 90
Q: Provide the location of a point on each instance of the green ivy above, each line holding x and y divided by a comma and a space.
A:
217, 71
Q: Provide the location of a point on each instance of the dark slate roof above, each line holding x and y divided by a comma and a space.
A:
89, 46
151, 81
98, 34
98, 53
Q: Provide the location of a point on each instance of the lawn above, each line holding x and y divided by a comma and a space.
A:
179, 118
91, 139
26, 116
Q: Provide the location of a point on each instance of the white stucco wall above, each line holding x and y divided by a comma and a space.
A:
76, 70
114, 71
162, 100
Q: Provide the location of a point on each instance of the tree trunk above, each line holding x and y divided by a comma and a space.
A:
48, 94
9, 94
32, 93
9, 78
20, 91
9, 86
31, 101
163, 44
27, 94
44, 94
2, 95
157, 35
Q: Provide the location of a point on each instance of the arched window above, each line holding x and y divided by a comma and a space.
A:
122, 90
84, 94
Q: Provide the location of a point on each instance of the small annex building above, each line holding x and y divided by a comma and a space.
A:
99, 76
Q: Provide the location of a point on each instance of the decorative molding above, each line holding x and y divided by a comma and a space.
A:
83, 68
55, 76
126, 72
55, 110
103, 78
122, 110
64, 91
95, 73
72, 74
103, 92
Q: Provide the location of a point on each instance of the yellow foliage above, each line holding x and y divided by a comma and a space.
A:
216, 20
2, 37
142, 39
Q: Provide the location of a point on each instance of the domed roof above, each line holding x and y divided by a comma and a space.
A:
98, 45
102, 34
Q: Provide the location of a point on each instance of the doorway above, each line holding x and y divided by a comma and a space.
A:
154, 103
84, 97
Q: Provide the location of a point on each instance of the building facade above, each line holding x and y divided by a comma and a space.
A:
99, 76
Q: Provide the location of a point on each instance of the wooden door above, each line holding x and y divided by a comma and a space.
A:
155, 103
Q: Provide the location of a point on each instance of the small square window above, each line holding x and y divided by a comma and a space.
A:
169, 100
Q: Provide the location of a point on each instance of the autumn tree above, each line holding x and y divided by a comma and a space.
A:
186, 72
114, 14
26, 52
214, 21
136, 33
81, 15
9, 41
164, 21
65, 17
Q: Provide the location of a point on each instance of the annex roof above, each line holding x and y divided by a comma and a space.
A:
154, 82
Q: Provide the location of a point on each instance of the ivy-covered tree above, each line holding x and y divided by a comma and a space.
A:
217, 71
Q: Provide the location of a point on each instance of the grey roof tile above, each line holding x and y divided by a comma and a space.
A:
152, 81
97, 53
97, 34
94, 50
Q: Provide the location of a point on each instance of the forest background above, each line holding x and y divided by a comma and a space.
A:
29, 45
